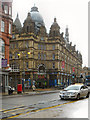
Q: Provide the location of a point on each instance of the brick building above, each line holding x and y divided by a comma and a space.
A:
5, 36
36, 55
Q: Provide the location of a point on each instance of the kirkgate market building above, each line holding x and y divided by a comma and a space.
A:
41, 57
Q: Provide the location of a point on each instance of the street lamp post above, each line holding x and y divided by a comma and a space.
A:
23, 73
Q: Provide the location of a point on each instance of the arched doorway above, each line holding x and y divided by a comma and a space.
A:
41, 81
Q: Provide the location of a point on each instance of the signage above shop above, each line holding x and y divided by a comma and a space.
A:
4, 62
63, 64
73, 69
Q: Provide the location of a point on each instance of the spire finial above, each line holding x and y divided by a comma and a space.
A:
67, 34
55, 19
17, 15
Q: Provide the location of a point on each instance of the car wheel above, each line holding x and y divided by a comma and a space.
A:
87, 95
78, 96
62, 98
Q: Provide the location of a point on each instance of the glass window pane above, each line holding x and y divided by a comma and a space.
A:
10, 10
41, 56
9, 28
3, 47
53, 65
53, 47
6, 9
38, 55
53, 56
38, 46
2, 26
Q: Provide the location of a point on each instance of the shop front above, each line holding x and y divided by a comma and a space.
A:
41, 81
53, 79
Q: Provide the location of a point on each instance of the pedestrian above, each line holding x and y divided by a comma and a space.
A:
9, 90
45, 84
33, 87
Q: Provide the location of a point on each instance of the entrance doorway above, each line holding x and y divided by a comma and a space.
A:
52, 80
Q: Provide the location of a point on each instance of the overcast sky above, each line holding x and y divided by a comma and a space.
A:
71, 13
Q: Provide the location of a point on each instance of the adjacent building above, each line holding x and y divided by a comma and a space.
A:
44, 58
5, 36
86, 74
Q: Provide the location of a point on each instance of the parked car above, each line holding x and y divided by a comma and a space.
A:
75, 91
89, 89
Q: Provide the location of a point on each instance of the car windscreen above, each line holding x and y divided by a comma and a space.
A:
72, 88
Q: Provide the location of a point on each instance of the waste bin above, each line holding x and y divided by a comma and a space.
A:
19, 88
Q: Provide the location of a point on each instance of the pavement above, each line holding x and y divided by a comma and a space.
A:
31, 92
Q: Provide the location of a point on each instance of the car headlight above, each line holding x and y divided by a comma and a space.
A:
61, 92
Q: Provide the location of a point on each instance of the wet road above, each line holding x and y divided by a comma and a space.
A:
46, 105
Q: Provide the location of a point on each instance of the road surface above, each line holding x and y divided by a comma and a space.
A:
43, 106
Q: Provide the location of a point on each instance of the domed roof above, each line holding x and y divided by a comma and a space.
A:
36, 17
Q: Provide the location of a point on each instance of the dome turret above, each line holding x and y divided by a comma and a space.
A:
17, 23
36, 17
28, 19
28, 25
55, 29
55, 24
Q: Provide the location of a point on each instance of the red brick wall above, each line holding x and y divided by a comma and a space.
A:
5, 35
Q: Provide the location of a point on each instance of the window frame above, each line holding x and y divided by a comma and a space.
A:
6, 9
2, 26
53, 56
10, 10
53, 65
10, 28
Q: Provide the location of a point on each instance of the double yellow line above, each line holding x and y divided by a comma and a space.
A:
40, 109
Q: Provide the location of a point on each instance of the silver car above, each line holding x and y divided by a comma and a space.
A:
74, 92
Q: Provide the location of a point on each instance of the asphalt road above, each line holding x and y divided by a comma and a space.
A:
43, 106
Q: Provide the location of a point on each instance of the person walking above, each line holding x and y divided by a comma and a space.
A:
33, 87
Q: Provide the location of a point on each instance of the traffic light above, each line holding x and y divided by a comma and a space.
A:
73, 75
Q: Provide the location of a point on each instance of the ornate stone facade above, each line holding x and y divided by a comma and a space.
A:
37, 55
